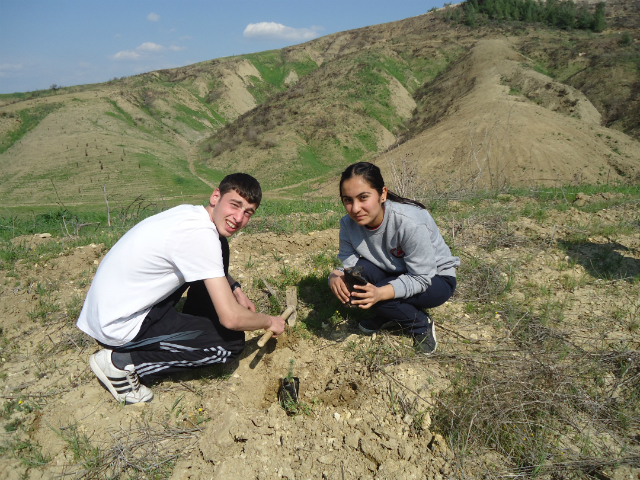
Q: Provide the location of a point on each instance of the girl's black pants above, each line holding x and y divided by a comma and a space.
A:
408, 311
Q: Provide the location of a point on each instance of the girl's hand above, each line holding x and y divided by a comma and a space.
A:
368, 295
338, 287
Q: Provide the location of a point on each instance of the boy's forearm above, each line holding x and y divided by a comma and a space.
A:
232, 315
244, 320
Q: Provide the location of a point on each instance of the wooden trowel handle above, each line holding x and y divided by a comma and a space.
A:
265, 338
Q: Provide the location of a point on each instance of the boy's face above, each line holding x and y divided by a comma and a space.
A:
231, 212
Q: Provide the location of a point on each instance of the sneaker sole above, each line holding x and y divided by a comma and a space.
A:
435, 340
433, 330
102, 377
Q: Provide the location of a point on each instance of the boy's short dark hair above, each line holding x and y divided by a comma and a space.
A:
243, 183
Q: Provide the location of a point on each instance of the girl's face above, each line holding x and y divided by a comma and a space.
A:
362, 202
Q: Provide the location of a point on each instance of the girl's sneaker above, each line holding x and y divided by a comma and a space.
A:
426, 343
124, 385
373, 324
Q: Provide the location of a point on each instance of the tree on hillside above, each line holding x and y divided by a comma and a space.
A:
584, 19
557, 13
471, 9
599, 22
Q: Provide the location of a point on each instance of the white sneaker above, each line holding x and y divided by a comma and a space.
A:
124, 385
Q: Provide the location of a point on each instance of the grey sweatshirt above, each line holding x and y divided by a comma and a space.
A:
407, 242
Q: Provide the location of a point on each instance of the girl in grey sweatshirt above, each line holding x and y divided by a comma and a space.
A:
397, 246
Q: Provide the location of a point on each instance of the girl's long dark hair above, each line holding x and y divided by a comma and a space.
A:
371, 174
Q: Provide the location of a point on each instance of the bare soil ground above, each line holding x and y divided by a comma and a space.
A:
367, 402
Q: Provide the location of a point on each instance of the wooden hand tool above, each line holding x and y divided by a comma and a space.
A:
290, 314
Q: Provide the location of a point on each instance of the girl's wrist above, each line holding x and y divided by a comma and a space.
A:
387, 292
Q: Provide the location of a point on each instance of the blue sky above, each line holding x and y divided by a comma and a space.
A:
72, 42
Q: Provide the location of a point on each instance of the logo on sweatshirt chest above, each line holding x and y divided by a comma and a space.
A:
397, 252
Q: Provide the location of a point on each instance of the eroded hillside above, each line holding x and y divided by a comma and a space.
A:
499, 103
492, 120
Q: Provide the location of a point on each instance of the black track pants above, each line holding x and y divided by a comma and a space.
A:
170, 341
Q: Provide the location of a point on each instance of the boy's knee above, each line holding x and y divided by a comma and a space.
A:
236, 350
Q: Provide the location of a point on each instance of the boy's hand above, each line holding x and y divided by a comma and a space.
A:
277, 325
338, 287
243, 300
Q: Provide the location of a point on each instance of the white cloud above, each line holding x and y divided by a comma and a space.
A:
10, 67
277, 31
142, 51
149, 47
153, 17
125, 55
176, 48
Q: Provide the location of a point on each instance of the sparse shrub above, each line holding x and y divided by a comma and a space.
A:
530, 408
480, 281
217, 149
625, 39
261, 119
269, 142
404, 177
251, 134
213, 96
234, 142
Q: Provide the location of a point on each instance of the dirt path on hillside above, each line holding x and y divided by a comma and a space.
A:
190, 150
312, 183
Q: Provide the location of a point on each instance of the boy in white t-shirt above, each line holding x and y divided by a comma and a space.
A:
130, 310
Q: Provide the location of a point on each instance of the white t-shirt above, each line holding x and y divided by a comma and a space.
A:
149, 263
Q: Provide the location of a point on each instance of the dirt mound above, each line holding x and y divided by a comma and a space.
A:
247, 441
492, 120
